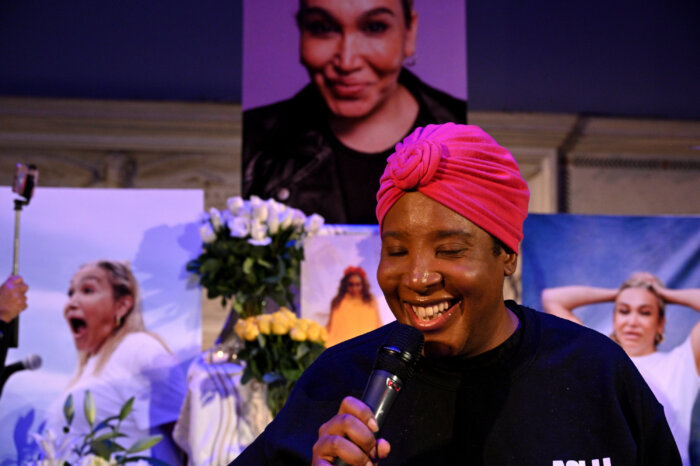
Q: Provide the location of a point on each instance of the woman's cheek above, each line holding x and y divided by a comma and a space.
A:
385, 57
315, 54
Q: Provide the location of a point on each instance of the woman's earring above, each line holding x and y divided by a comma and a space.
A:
409, 60
658, 338
118, 321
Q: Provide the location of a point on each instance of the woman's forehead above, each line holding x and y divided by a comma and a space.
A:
90, 271
416, 213
637, 295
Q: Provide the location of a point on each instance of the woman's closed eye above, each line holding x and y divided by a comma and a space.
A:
454, 250
396, 252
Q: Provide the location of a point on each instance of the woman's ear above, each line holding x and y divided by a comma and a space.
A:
409, 48
510, 263
123, 306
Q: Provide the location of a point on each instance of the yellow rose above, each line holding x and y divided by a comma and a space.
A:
314, 332
297, 334
289, 314
239, 328
265, 323
251, 331
280, 323
302, 324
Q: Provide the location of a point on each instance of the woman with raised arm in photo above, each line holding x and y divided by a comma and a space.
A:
354, 310
118, 358
324, 150
639, 318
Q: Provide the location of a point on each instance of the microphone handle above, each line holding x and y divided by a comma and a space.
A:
381, 391
7, 371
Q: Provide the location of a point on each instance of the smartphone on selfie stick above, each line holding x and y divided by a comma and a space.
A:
26, 178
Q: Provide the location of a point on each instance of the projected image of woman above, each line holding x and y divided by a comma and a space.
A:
354, 309
639, 318
324, 150
118, 358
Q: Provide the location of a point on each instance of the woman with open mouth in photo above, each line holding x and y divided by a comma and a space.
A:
118, 358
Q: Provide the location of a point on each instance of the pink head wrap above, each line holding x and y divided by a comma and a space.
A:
464, 169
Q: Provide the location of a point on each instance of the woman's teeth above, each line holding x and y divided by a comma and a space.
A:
430, 312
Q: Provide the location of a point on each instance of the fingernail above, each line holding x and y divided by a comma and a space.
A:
369, 463
373, 425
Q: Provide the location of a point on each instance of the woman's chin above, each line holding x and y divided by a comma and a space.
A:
350, 109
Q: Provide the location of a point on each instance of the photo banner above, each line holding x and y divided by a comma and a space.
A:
61, 229
603, 251
327, 257
271, 68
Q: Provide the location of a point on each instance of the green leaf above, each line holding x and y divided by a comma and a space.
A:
145, 443
104, 448
248, 265
292, 374
89, 408
302, 349
193, 266
264, 263
69, 409
110, 436
147, 459
210, 266
126, 409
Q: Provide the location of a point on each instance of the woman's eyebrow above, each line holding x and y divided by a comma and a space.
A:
442, 234
314, 10
382, 10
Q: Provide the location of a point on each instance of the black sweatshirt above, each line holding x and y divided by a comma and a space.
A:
553, 392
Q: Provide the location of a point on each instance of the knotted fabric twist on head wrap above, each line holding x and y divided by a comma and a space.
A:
464, 169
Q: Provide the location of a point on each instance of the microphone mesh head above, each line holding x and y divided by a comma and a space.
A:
33, 361
401, 351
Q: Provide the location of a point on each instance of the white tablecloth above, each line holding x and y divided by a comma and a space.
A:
219, 417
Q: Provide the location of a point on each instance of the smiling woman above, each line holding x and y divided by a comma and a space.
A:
118, 358
309, 151
498, 383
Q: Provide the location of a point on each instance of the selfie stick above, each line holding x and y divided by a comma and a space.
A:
27, 182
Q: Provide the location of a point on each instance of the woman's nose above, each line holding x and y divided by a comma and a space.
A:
347, 56
71, 303
422, 279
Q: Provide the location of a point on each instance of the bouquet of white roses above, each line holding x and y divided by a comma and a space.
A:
252, 252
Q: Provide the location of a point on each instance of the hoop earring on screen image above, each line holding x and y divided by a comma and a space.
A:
409, 60
659, 338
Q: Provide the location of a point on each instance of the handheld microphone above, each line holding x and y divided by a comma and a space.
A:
394, 366
31, 362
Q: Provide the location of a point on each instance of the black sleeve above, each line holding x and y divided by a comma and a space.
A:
4, 328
